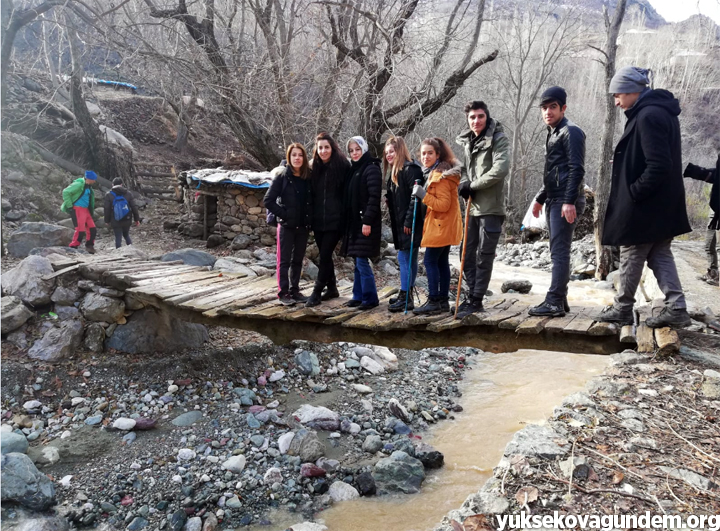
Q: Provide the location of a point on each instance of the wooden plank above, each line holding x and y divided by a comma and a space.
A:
186, 292
59, 272
532, 325
600, 328
582, 323
558, 324
150, 277
495, 317
153, 284
513, 322
207, 303
447, 323
370, 319
667, 340
342, 317
627, 334
645, 339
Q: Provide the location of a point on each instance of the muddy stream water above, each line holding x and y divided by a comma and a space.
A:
501, 394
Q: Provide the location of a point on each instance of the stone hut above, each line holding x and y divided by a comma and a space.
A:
226, 204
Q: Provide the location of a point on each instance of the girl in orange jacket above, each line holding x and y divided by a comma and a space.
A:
443, 223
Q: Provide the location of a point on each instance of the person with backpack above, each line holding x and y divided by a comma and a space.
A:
289, 202
79, 199
120, 212
402, 172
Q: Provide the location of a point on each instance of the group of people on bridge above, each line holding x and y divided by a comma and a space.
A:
339, 200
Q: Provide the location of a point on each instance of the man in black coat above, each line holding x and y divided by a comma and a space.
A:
646, 207
710, 175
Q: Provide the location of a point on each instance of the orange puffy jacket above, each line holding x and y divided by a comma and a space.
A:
443, 222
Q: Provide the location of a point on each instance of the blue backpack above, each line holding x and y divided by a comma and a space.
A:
121, 207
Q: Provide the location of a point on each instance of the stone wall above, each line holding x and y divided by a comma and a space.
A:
238, 215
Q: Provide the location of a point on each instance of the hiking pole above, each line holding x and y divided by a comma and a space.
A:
462, 259
412, 240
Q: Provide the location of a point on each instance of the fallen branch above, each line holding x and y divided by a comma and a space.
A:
603, 491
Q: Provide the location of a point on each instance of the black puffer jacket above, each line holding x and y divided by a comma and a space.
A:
709, 175
647, 198
133, 215
293, 205
362, 207
328, 187
564, 163
401, 206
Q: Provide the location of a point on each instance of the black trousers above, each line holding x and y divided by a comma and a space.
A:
326, 241
120, 233
483, 234
291, 245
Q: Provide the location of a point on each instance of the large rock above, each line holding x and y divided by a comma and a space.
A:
318, 417
96, 307
381, 355
43, 523
535, 441
399, 473
241, 241
94, 337
26, 281
58, 343
11, 442
341, 491
233, 265
521, 286
191, 256
14, 313
429, 456
66, 295
307, 362
307, 446
23, 483
32, 235
149, 331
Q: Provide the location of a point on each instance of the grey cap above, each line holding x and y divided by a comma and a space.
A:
628, 80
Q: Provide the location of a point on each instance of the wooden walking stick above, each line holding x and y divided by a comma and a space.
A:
468, 202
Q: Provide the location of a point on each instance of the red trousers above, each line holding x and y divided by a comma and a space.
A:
85, 224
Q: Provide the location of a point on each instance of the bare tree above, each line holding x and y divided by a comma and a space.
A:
13, 19
602, 189
373, 37
532, 44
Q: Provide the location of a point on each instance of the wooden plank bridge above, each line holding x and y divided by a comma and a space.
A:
210, 297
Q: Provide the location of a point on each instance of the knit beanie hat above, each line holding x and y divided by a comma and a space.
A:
117, 181
91, 175
360, 141
557, 94
628, 80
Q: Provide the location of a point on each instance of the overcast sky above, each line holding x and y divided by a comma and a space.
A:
677, 10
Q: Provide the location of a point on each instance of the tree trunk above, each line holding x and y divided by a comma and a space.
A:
602, 192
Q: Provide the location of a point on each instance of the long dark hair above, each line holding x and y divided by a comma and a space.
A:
337, 164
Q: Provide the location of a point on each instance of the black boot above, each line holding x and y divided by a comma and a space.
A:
431, 307
566, 306
330, 293
314, 300
399, 304
400, 296
470, 306
673, 317
444, 304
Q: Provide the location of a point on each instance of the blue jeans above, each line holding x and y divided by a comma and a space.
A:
120, 233
403, 260
364, 289
437, 265
561, 234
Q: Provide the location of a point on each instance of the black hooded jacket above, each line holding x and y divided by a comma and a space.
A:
134, 215
291, 203
402, 206
647, 198
328, 188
